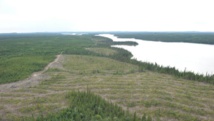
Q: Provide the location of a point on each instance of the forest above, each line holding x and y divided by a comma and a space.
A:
23, 54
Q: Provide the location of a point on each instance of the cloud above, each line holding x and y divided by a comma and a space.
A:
106, 15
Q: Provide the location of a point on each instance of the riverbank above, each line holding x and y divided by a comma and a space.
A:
190, 61
161, 96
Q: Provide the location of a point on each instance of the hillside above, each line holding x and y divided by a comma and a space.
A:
96, 69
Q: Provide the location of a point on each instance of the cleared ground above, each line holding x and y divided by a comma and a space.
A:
161, 96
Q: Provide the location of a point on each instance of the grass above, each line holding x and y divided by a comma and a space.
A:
147, 92
158, 95
97, 65
85, 106
103, 51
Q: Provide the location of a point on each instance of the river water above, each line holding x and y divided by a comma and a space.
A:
197, 58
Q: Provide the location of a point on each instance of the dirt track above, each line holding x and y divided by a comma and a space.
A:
33, 80
140, 92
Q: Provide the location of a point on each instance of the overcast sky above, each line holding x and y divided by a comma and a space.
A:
106, 15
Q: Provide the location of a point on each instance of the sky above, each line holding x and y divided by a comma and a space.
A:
105, 15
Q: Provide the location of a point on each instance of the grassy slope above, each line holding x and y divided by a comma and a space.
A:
162, 96
86, 106
148, 92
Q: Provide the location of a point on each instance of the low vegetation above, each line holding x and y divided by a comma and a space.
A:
85, 106
102, 51
23, 54
158, 96
37, 50
120, 88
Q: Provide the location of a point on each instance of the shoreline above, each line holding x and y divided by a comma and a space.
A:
155, 67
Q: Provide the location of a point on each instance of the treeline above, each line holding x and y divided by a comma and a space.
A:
21, 55
125, 56
86, 106
191, 37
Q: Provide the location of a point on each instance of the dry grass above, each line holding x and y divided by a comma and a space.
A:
164, 97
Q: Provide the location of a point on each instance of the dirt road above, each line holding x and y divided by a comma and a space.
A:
33, 80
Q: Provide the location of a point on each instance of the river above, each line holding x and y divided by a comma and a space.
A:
197, 58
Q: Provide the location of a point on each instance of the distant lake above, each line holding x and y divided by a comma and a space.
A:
197, 58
